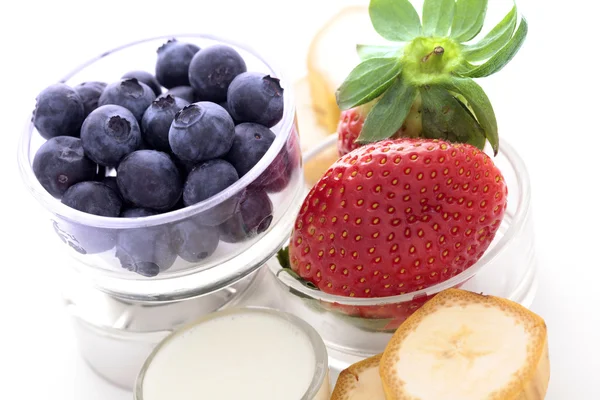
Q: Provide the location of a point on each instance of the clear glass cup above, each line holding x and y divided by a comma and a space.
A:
93, 241
319, 387
356, 328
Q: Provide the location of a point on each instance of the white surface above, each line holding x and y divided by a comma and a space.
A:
546, 102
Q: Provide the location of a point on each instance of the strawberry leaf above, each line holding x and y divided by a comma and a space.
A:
480, 103
283, 256
445, 117
367, 81
395, 20
494, 40
502, 57
388, 115
468, 19
437, 17
366, 51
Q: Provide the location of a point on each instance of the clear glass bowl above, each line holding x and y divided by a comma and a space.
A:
92, 240
355, 328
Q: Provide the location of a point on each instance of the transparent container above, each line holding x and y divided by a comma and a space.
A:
356, 328
95, 242
319, 387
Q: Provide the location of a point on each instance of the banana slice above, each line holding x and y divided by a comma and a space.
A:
360, 381
331, 57
465, 346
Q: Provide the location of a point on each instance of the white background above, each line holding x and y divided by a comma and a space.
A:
546, 101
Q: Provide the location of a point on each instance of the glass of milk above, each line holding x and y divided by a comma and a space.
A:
248, 353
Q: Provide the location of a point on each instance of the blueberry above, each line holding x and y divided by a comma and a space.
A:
201, 131
157, 120
278, 174
250, 145
173, 63
147, 78
206, 180
85, 239
255, 97
195, 242
145, 251
90, 93
60, 163
58, 112
212, 69
253, 217
111, 182
130, 93
149, 179
138, 213
109, 133
93, 198
184, 92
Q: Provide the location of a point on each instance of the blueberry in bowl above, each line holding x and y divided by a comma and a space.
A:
59, 111
148, 211
256, 97
147, 78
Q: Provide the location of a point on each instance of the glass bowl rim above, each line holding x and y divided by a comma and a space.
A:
319, 348
518, 222
54, 205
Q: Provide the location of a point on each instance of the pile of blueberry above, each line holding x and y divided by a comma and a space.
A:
126, 149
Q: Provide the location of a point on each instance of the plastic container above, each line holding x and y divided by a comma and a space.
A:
351, 327
318, 387
93, 241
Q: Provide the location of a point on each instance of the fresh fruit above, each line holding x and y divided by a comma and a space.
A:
427, 73
157, 120
110, 133
111, 182
173, 63
352, 121
130, 93
93, 198
149, 179
256, 97
147, 78
398, 216
60, 163
90, 93
201, 131
251, 143
212, 69
145, 251
195, 242
208, 179
137, 213
472, 347
253, 217
58, 112
183, 92
360, 381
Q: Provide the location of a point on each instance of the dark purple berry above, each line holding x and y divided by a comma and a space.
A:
149, 179
146, 251
173, 63
90, 93
253, 217
109, 133
212, 69
201, 131
146, 78
60, 163
250, 144
130, 93
58, 112
157, 120
255, 97
93, 198
195, 242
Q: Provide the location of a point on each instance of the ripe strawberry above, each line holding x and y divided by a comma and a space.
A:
398, 216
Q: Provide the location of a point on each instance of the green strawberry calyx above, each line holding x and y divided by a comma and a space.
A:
432, 61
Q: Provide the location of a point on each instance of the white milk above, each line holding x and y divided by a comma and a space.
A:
246, 355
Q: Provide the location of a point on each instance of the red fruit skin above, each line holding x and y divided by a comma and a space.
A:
349, 128
398, 216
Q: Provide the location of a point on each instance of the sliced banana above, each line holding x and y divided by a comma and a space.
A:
466, 346
360, 381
